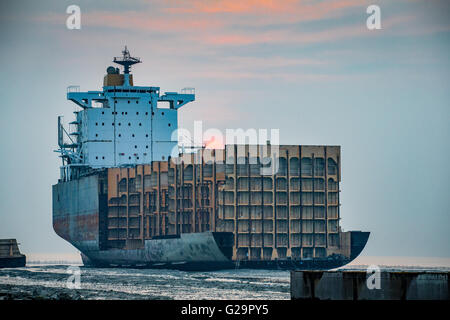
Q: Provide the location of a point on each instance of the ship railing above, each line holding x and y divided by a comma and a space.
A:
73, 89
72, 171
188, 90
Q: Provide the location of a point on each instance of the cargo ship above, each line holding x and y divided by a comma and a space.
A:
10, 256
129, 196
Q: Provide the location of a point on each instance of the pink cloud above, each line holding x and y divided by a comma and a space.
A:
132, 20
306, 9
286, 36
204, 15
236, 23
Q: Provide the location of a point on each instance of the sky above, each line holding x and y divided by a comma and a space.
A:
309, 68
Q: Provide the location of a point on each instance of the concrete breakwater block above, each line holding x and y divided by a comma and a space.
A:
374, 285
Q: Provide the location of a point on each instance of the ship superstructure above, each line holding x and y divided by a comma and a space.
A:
121, 125
127, 197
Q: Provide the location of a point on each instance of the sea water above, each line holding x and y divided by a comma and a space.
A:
69, 282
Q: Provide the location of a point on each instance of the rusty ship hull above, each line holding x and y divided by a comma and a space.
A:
210, 211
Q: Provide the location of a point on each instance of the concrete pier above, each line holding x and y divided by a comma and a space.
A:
376, 285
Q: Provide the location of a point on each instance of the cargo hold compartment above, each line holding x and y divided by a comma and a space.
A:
130, 216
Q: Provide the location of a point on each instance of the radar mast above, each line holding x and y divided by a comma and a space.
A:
126, 60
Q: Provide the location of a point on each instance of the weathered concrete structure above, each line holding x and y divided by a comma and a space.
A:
352, 285
10, 256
